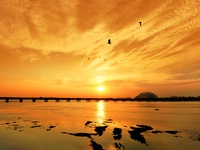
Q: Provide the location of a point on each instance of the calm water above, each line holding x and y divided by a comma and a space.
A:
99, 125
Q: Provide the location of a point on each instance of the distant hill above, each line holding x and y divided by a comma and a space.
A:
146, 96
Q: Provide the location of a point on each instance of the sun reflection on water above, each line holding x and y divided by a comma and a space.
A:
100, 114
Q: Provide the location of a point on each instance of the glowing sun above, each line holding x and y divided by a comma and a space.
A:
100, 88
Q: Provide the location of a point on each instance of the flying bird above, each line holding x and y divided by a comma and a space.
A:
109, 41
140, 23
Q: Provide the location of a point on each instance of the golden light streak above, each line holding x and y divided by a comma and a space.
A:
100, 114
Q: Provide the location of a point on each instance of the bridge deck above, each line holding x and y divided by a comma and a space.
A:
46, 99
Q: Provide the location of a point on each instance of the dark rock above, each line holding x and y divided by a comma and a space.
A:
108, 121
81, 134
88, 122
50, 127
145, 127
117, 146
135, 135
117, 137
141, 128
100, 129
36, 126
96, 146
35, 122
156, 131
117, 131
171, 132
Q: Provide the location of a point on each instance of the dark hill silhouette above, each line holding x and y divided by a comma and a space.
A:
146, 96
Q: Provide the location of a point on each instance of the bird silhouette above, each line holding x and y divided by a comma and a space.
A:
140, 23
109, 41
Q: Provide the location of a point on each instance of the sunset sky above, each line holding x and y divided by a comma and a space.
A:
59, 48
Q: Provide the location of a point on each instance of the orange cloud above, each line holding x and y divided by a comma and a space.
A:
56, 43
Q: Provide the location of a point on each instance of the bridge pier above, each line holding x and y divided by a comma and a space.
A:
78, 99
88, 99
57, 100
21, 100
45, 100
33, 100
7, 100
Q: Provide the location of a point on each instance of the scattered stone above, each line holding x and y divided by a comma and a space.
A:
108, 121
36, 126
156, 131
20, 130
171, 132
176, 136
88, 122
50, 127
34, 121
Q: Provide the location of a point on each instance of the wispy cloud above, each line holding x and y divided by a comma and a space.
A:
59, 40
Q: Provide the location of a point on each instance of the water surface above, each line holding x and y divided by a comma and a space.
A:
99, 125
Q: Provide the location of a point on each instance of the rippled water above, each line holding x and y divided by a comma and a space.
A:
99, 125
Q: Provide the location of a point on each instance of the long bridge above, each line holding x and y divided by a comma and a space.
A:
56, 99
78, 99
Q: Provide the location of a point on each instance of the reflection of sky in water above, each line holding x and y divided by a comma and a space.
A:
35, 122
100, 114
